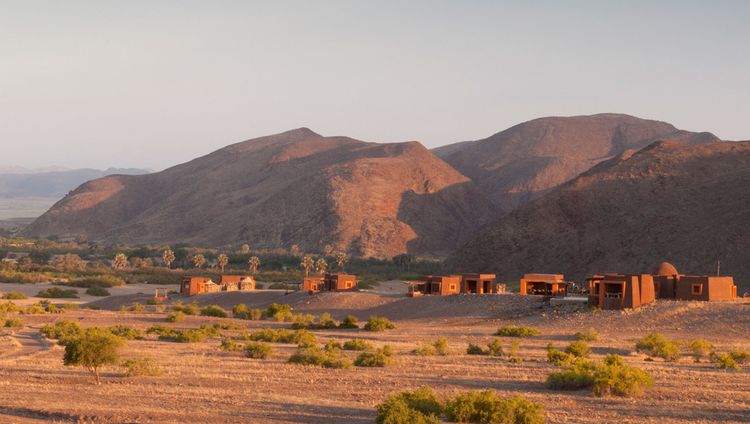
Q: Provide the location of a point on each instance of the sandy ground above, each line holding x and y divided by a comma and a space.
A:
146, 291
203, 384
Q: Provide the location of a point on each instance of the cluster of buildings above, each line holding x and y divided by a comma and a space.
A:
191, 286
455, 284
329, 282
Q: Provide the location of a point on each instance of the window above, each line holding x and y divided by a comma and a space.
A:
348, 284
453, 287
696, 289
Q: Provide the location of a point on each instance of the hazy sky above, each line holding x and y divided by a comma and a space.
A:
155, 83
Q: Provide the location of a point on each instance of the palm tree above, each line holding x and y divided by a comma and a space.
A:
120, 261
168, 257
321, 266
341, 260
245, 249
253, 264
223, 261
307, 264
199, 260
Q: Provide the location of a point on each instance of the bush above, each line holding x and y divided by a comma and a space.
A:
97, 291
258, 350
611, 377
475, 350
326, 322
301, 321
380, 358
350, 321
213, 311
135, 307
495, 348
724, 361
142, 366
8, 307
62, 330
357, 344
126, 332
517, 331
487, 407
283, 336
379, 324
229, 345
558, 357
590, 335
175, 316
35, 309
579, 349
424, 350
279, 312
189, 335
191, 309
13, 323
700, 348
93, 349
58, 293
314, 355
14, 295
420, 406
332, 345
740, 356
656, 345
97, 281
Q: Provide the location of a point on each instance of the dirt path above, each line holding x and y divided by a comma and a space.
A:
26, 343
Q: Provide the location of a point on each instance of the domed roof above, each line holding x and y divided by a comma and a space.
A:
666, 269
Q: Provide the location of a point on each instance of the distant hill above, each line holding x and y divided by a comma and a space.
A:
20, 182
671, 201
296, 187
517, 165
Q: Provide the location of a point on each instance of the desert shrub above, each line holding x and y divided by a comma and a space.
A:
97, 291
424, 350
700, 348
611, 377
590, 335
279, 312
658, 346
71, 306
578, 348
487, 407
135, 307
282, 336
58, 293
380, 358
229, 345
438, 347
740, 356
350, 321
314, 355
175, 316
517, 331
495, 348
13, 323
35, 309
226, 326
258, 350
213, 311
62, 330
188, 335
357, 344
723, 361
301, 321
325, 321
8, 307
191, 309
142, 366
418, 407
558, 357
240, 311
475, 350
14, 295
379, 324
97, 281
332, 345
126, 332
93, 349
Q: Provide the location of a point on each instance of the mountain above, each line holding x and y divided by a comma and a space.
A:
20, 182
296, 187
527, 160
671, 201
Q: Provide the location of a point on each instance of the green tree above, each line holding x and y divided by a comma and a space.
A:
253, 264
321, 266
168, 257
120, 261
223, 261
92, 350
307, 264
199, 261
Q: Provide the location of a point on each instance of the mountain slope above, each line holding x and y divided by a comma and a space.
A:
295, 187
525, 161
686, 204
51, 184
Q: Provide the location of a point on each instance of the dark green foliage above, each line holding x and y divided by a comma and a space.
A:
97, 291
213, 311
579, 349
142, 366
258, 350
379, 324
380, 358
517, 331
103, 280
14, 295
357, 344
241, 311
487, 407
175, 316
279, 312
475, 350
590, 335
438, 347
656, 345
191, 309
314, 355
283, 336
58, 293
13, 323
420, 406
62, 330
558, 357
350, 321
229, 345
611, 377
495, 348
187, 335
126, 332
93, 349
